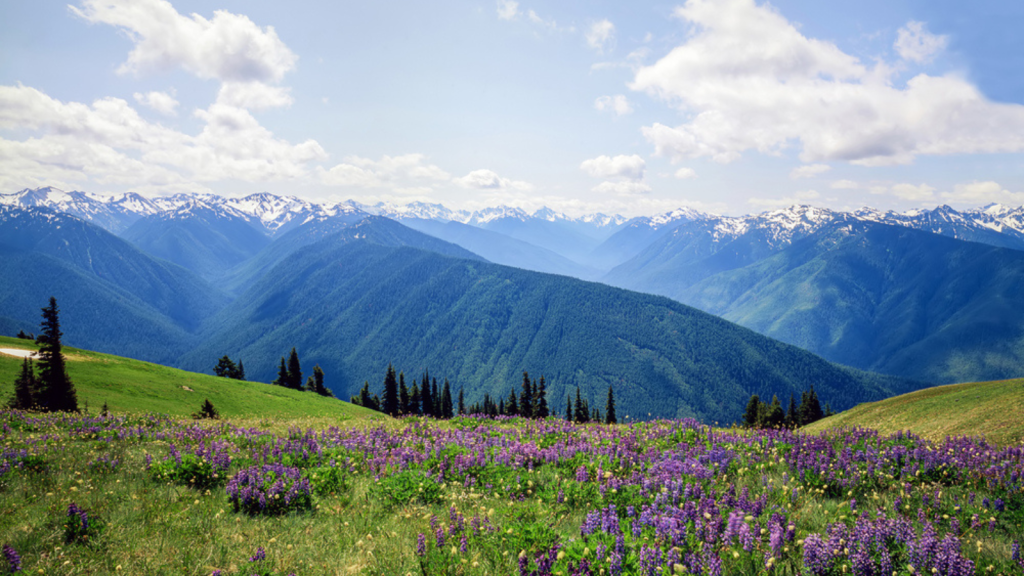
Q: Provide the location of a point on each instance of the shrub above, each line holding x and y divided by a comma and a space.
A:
270, 489
407, 486
206, 411
201, 470
329, 480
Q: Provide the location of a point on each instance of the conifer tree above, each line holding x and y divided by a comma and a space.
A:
511, 405
428, 400
609, 408
24, 387
791, 414
240, 374
404, 403
446, 401
390, 406
582, 411
225, 368
414, 399
56, 391
294, 371
526, 398
752, 413
774, 416
364, 397
282, 374
501, 408
462, 403
541, 403
318, 383
595, 416
435, 397
569, 414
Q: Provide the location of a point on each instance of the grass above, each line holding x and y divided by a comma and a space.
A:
133, 386
991, 409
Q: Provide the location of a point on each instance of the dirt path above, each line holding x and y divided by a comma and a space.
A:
20, 353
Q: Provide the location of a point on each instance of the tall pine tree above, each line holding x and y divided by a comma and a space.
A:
541, 403
282, 374
390, 406
526, 397
24, 387
404, 402
511, 405
294, 371
569, 414
446, 401
56, 391
462, 403
582, 411
609, 408
318, 383
428, 400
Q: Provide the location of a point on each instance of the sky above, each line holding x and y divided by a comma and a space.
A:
635, 108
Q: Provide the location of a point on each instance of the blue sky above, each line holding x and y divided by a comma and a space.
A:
729, 106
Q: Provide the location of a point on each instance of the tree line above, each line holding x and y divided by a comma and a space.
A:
289, 374
51, 390
426, 398
758, 414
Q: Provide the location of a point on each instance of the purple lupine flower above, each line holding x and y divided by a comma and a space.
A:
12, 558
1016, 554
421, 545
259, 556
439, 537
463, 544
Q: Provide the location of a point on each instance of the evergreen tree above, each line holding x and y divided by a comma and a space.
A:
364, 396
206, 411
501, 408
828, 410
56, 391
582, 411
752, 413
414, 399
446, 401
318, 383
390, 406
462, 404
541, 399
24, 387
511, 405
435, 397
282, 374
25, 336
526, 397
404, 404
595, 416
810, 408
294, 371
791, 414
428, 400
774, 416
225, 368
569, 414
240, 374
609, 408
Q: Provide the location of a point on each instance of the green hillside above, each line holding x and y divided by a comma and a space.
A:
992, 409
132, 386
353, 307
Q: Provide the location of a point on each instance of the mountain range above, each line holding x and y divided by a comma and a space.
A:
925, 295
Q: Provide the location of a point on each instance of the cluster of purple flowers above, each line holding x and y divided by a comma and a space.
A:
12, 559
269, 489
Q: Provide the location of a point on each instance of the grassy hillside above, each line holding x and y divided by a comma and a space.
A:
132, 386
992, 409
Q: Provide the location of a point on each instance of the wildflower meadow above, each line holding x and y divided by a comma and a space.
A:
479, 496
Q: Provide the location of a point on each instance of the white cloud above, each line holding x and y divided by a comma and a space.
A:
162, 102
622, 188
912, 192
916, 44
109, 142
686, 173
600, 35
617, 104
620, 167
987, 192
796, 198
508, 9
489, 180
392, 171
747, 79
228, 47
809, 170
844, 185
254, 95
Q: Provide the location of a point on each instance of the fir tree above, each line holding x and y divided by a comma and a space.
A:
318, 383
568, 409
609, 408
752, 413
282, 374
294, 371
404, 403
206, 411
56, 391
390, 406
446, 401
541, 399
501, 408
774, 416
462, 404
582, 411
435, 397
526, 398
25, 336
511, 405
428, 401
24, 387
414, 399
225, 368
791, 414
